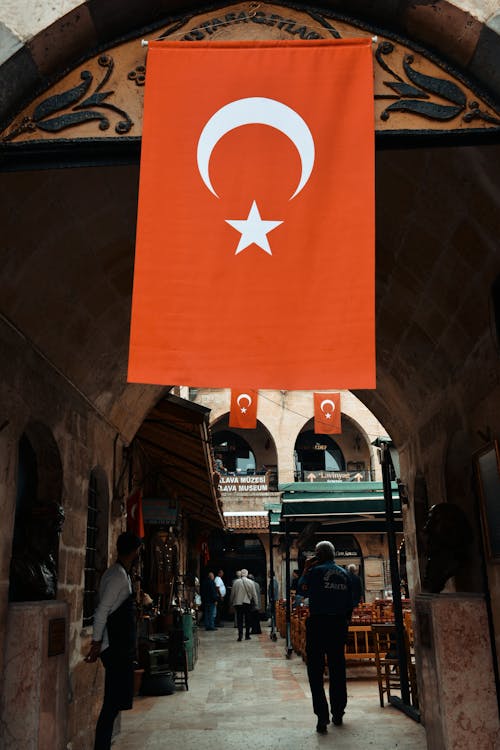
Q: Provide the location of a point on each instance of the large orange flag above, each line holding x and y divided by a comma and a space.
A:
327, 414
255, 232
243, 412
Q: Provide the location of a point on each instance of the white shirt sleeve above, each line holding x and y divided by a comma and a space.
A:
220, 585
114, 588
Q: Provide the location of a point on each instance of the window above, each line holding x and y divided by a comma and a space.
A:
317, 453
96, 544
236, 455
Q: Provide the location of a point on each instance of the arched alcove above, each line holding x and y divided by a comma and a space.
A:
259, 443
315, 453
39, 517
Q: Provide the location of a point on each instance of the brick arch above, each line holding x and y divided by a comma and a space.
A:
36, 48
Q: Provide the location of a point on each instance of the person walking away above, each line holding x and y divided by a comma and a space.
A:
357, 586
243, 594
221, 593
114, 637
273, 592
209, 601
329, 589
255, 612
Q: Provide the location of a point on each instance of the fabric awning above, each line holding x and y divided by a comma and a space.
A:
175, 440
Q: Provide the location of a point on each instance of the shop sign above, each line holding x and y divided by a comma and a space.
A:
333, 476
159, 510
243, 484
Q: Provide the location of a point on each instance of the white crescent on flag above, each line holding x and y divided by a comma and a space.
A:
262, 111
324, 403
249, 399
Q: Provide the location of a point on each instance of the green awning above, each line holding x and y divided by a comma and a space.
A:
337, 502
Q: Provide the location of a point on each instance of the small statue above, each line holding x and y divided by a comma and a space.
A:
33, 567
449, 535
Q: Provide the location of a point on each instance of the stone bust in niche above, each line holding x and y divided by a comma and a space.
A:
448, 534
33, 567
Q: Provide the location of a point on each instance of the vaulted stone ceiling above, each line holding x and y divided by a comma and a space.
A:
67, 265
39, 40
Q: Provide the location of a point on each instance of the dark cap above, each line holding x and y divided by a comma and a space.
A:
127, 543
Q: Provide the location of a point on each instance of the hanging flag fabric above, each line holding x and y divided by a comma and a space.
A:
243, 411
255, 231
135, 518
327, 414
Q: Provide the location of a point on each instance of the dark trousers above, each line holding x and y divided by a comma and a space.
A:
118, 695
255, 620
326, 636
243, 617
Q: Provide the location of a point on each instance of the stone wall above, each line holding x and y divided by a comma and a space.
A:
31, 390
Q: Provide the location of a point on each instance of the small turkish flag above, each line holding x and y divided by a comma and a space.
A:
243, 413
327, 414
135, 520
255, 224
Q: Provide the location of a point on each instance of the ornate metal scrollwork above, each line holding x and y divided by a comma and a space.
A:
138, 75
413, 95
52, 115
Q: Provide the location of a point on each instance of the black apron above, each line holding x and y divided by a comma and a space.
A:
118, 659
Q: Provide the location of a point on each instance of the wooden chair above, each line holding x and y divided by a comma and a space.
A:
387, 663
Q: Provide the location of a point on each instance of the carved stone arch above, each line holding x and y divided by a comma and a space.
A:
39, 516
366, 438
33, 56
264, 450
100, 101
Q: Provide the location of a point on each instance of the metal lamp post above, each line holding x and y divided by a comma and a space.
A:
389, 460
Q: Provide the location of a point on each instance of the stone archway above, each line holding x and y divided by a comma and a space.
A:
39, 517
437, 255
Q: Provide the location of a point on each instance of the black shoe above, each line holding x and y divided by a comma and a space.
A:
321, 727
337, 720
240, 638
247, 638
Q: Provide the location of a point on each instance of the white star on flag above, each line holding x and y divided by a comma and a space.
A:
328, 415
253, 230
243, 410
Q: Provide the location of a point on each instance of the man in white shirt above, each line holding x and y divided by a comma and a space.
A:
243, 595
221, 591
114, 637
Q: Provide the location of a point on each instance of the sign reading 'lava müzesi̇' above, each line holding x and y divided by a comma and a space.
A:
243, 484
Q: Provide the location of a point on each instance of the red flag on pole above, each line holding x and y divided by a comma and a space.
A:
135, 519
256, 216
327, 414
243, 412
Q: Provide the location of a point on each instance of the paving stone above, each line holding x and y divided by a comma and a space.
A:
240, 695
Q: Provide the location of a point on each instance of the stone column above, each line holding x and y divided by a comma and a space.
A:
454, 663
35, 691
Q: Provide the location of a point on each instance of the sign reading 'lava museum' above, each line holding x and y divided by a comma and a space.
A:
243, 484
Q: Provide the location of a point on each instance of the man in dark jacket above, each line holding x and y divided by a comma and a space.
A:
328, 587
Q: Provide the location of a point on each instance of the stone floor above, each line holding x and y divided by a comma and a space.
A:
247, 695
